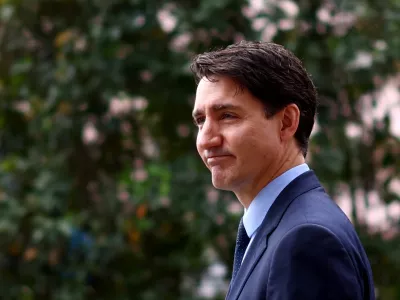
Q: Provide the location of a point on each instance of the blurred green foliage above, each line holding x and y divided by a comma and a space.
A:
102, 195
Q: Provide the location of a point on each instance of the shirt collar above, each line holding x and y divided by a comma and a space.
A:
258, 209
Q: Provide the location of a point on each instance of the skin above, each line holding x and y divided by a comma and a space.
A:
243, 149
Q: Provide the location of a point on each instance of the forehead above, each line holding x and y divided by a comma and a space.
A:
211, 93
224, 93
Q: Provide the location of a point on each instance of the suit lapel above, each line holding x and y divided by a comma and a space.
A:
302, 184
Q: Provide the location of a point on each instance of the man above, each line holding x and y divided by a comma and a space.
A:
255, 108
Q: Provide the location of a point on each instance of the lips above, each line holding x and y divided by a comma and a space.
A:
216, 160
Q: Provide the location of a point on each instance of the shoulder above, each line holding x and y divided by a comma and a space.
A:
317, 208
314, 212
315, 217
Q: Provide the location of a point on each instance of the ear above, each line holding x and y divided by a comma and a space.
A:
290, 118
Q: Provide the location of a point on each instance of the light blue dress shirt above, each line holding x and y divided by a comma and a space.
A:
258, 209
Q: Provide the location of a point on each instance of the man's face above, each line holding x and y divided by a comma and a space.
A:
235, 140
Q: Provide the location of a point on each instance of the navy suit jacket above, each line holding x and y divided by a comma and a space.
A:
305, 249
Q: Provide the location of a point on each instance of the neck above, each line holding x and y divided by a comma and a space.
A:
247, 193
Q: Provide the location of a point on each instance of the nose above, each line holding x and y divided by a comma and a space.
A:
208, 136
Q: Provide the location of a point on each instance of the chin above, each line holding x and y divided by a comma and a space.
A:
221, 184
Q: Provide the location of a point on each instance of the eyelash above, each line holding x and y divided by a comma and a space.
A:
224, 115
201, 120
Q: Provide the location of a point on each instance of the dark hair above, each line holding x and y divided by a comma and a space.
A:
271, 73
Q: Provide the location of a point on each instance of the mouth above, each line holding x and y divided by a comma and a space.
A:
216, 160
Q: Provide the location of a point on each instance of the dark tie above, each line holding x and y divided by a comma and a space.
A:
242, 242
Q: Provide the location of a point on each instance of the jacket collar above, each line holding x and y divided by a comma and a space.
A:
302, 184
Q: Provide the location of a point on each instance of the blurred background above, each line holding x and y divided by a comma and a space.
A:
102, 193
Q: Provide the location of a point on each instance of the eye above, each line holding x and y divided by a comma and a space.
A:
199, 121
227, 116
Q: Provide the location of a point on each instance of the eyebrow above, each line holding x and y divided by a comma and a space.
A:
215, 108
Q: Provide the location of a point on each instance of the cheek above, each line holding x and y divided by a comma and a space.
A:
256, 145
244, 143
